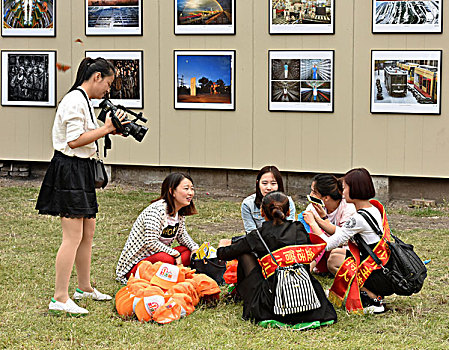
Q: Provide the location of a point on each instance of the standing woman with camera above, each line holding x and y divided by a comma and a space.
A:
68, 188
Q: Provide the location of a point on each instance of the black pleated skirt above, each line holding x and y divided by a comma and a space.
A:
68, 188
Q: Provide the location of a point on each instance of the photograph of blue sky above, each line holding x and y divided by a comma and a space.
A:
213, 67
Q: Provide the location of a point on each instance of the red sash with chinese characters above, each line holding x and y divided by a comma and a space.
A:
302, 254
353, 273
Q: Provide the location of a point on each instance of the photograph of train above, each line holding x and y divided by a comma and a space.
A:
301, 16
28, 18
204, 79
407, 16
204, 17
301, 81
113, 17
405, 81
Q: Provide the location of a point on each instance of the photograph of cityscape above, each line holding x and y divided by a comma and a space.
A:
127, 87
204, 79
301, 81
28, 78
204, 17
405, 82
408, 16
28, 18
301, 16
113, 17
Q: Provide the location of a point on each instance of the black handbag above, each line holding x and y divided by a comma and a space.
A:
212, 267
294, 292
405, 271
100, 174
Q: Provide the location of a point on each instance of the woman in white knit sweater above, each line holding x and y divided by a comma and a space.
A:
158, 226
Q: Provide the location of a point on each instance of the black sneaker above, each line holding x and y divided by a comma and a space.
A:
370, 305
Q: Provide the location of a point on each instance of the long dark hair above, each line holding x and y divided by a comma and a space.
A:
89, 66
275, 206
168, 186
328, 185
277, 176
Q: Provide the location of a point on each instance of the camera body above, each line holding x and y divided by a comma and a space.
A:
132, 128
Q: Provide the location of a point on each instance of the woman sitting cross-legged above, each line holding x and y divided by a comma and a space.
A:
258, 292
158, 226
359, 283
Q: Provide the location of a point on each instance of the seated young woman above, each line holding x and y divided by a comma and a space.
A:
358, 189
158, 226
335, 212
268, 179
256, 291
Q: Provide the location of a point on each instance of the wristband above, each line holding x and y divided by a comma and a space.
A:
325, 217
178, 256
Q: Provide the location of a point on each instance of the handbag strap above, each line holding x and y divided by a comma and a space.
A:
361, 242
90, 111
266, 247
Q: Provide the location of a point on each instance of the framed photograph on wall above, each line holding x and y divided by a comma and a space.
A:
301, 16
409, 16
406, 81
28, 18
204, 17
301, 81
127, 87
113, 17
28, 78
204, 79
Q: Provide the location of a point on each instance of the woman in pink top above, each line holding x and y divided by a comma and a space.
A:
335, 212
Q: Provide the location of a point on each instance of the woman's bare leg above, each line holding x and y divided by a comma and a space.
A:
84, 254
72, 233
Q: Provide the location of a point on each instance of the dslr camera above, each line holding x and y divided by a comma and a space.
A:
132, 128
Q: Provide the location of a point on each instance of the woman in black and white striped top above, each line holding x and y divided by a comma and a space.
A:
158, 226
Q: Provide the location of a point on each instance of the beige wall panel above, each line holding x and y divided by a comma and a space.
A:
318, 142
207, 138
249, 137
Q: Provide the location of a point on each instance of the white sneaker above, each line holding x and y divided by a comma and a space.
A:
95, 295
69, 308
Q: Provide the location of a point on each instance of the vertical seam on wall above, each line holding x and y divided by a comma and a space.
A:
159, 78
353, 84
253, 87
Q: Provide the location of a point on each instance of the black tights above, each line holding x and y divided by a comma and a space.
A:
247, 262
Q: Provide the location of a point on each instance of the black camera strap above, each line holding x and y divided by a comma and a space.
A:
107, 139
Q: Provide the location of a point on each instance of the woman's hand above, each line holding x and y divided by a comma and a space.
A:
178, 260
309, 218
320, 210
224, 243
121, 116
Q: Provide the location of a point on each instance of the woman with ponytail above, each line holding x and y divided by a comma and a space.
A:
254, 283
68, 188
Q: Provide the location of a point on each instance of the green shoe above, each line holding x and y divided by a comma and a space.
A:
306, 325
273, 324
327, 323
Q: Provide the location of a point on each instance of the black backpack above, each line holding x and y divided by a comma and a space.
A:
405, 269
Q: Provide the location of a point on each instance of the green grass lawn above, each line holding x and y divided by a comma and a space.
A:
28, 246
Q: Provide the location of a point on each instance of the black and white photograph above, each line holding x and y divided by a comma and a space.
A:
204, 17
301, 81
407, 16
28, 78
204, 79
28, 18
113, 17
406, 81
127, 87
301, 17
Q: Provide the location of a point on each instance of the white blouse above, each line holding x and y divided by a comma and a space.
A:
73, 119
